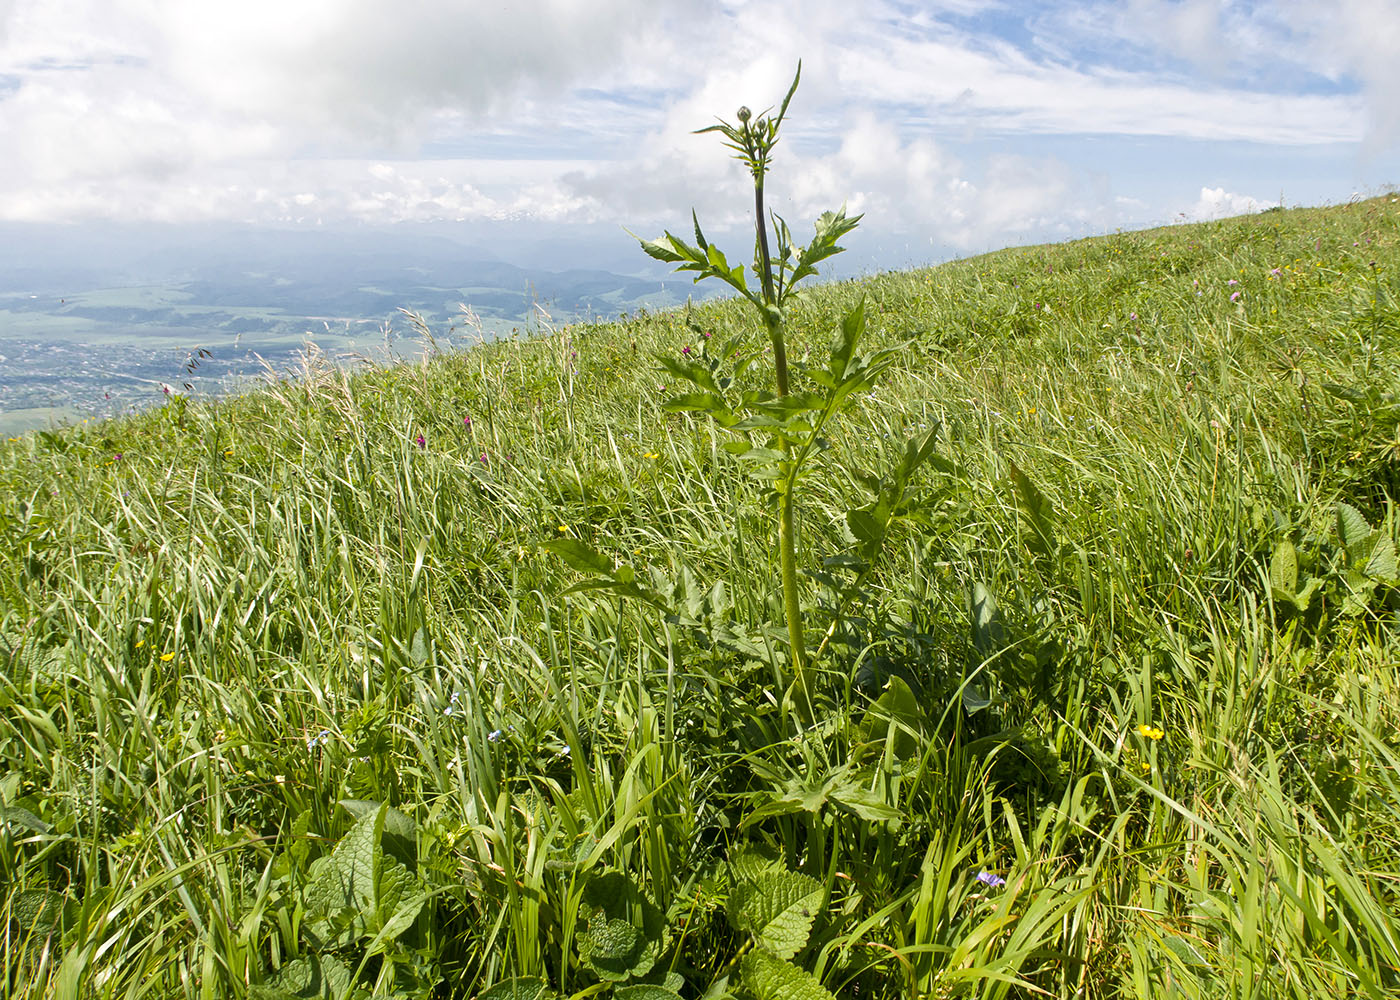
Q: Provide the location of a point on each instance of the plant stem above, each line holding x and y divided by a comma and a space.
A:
787, 526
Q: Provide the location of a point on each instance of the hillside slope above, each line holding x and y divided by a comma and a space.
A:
297, 700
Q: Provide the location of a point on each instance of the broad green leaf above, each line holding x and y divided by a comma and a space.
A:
313, 976
987, 632
616, 950
689, 371
38, 912
770, 978
777, 908
1283, 568
703, 402
345, 879
897, 711
752, 861
1352, 528
865, 527
917, 452
519, 988
400, 834
1038, 509
975, 698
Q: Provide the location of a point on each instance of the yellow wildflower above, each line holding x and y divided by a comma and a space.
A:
166, 657
1150, 732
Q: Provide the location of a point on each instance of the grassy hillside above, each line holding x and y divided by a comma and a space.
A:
296, 702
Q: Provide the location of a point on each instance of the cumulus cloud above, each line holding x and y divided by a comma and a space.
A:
1217, 203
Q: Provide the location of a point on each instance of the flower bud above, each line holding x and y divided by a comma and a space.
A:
744, 114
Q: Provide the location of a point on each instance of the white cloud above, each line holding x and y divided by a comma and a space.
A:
583, 110
1217, 203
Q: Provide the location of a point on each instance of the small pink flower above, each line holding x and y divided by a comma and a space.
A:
1232, 281
685, 350
483, 458
1235, 296
1133, 317
467, 422
421, 441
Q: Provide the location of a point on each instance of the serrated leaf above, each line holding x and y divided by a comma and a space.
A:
777, 908
519, 988
616, 950
38, 912
770, 978
752, 861
1352, 528
848, 335
697, 402
313, 976
399, 837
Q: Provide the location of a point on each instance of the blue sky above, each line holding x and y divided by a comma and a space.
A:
956, 127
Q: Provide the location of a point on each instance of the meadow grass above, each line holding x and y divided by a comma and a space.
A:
296, 702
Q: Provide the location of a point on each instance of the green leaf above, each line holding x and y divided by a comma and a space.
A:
580, 556
400, 834
975, 698
864, 803
353, 893
1041, 514
770, 978
1352, 528
777, 908
1283, 568
519, 988
645, 991
752, 861
987, 633
616, 950
896, 713
24, 819
314, 976
848, 335
38, 912
829, 228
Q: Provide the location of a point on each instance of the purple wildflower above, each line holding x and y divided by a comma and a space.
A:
467, 422
1235, 296
991, 879
1232, 281
483, 458
685, 350
421, 441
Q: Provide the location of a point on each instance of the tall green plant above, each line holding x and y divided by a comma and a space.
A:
792, 420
